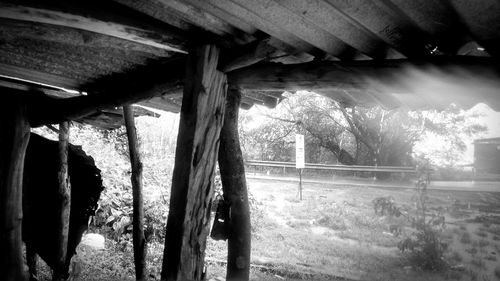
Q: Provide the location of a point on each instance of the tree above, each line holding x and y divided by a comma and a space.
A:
354, 134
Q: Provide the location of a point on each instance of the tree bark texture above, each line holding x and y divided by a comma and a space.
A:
15, 132
202, 115
61, 270
232, 170
138, 208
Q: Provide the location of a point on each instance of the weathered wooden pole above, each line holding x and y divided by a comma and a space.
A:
139, 241
14, 137
202, 114
64, 193
232, 171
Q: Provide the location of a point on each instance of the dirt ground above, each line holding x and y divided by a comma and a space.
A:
333, 233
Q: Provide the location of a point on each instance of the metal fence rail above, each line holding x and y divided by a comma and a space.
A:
335, 167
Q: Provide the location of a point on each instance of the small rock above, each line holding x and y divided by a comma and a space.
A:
458, 267
217, 279
93, 240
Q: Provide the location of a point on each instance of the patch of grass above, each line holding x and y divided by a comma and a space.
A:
453, 275
478, 262
495, 230
455, 231
483, 243
482, 233
465, 238
491, 258
497, 272
471, 251
455, 257
474, 276
333, 222
485, 225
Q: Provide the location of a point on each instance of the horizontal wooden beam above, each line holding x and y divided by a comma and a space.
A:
143, 85
373, 78
248, 55
85, 17
347, 75
40, 77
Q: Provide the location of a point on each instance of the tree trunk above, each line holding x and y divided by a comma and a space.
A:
202, 114
232, 171
15, 132
61, 270
138, 213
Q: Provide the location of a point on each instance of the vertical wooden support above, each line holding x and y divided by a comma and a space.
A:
138, 208
64, 193
14, 137
202, 114
232, 171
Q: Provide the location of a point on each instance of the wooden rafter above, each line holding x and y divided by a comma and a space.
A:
78, 17
314, 76
357, 75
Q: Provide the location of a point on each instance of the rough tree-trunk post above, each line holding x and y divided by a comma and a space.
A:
14, 137
202, 114
138, 213
232, 171
64, 194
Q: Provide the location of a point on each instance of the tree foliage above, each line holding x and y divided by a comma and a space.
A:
351, 134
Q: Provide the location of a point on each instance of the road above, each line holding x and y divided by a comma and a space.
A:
476, 186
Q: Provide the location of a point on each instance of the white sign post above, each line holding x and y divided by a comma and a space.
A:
299, 159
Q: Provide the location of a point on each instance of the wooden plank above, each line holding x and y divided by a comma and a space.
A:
139, 240
138, 85
232, 171
186, 16
64, 194
387, 24
202, 114
13, 29
121, 27
279, 15
39, 77
435, 18
328, 18
357, 75
231, 19
248, 55
482, 20
15, 136
249, 17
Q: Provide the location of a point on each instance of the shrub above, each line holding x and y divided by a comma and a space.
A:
497, 272
424, 244
465, 238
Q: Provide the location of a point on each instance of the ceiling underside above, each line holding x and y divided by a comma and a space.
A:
128, 45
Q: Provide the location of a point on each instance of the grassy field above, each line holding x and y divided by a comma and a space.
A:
334, 234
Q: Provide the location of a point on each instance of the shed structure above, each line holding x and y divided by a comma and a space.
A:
487, 156
80, 60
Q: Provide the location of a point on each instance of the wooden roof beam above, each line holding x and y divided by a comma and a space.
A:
92, 17
250, 54
482, 21
388, 24
39, 77
350, 75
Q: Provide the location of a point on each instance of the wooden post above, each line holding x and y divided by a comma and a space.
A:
64, 193
202, 114
232, 171
139, 241
15, 132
